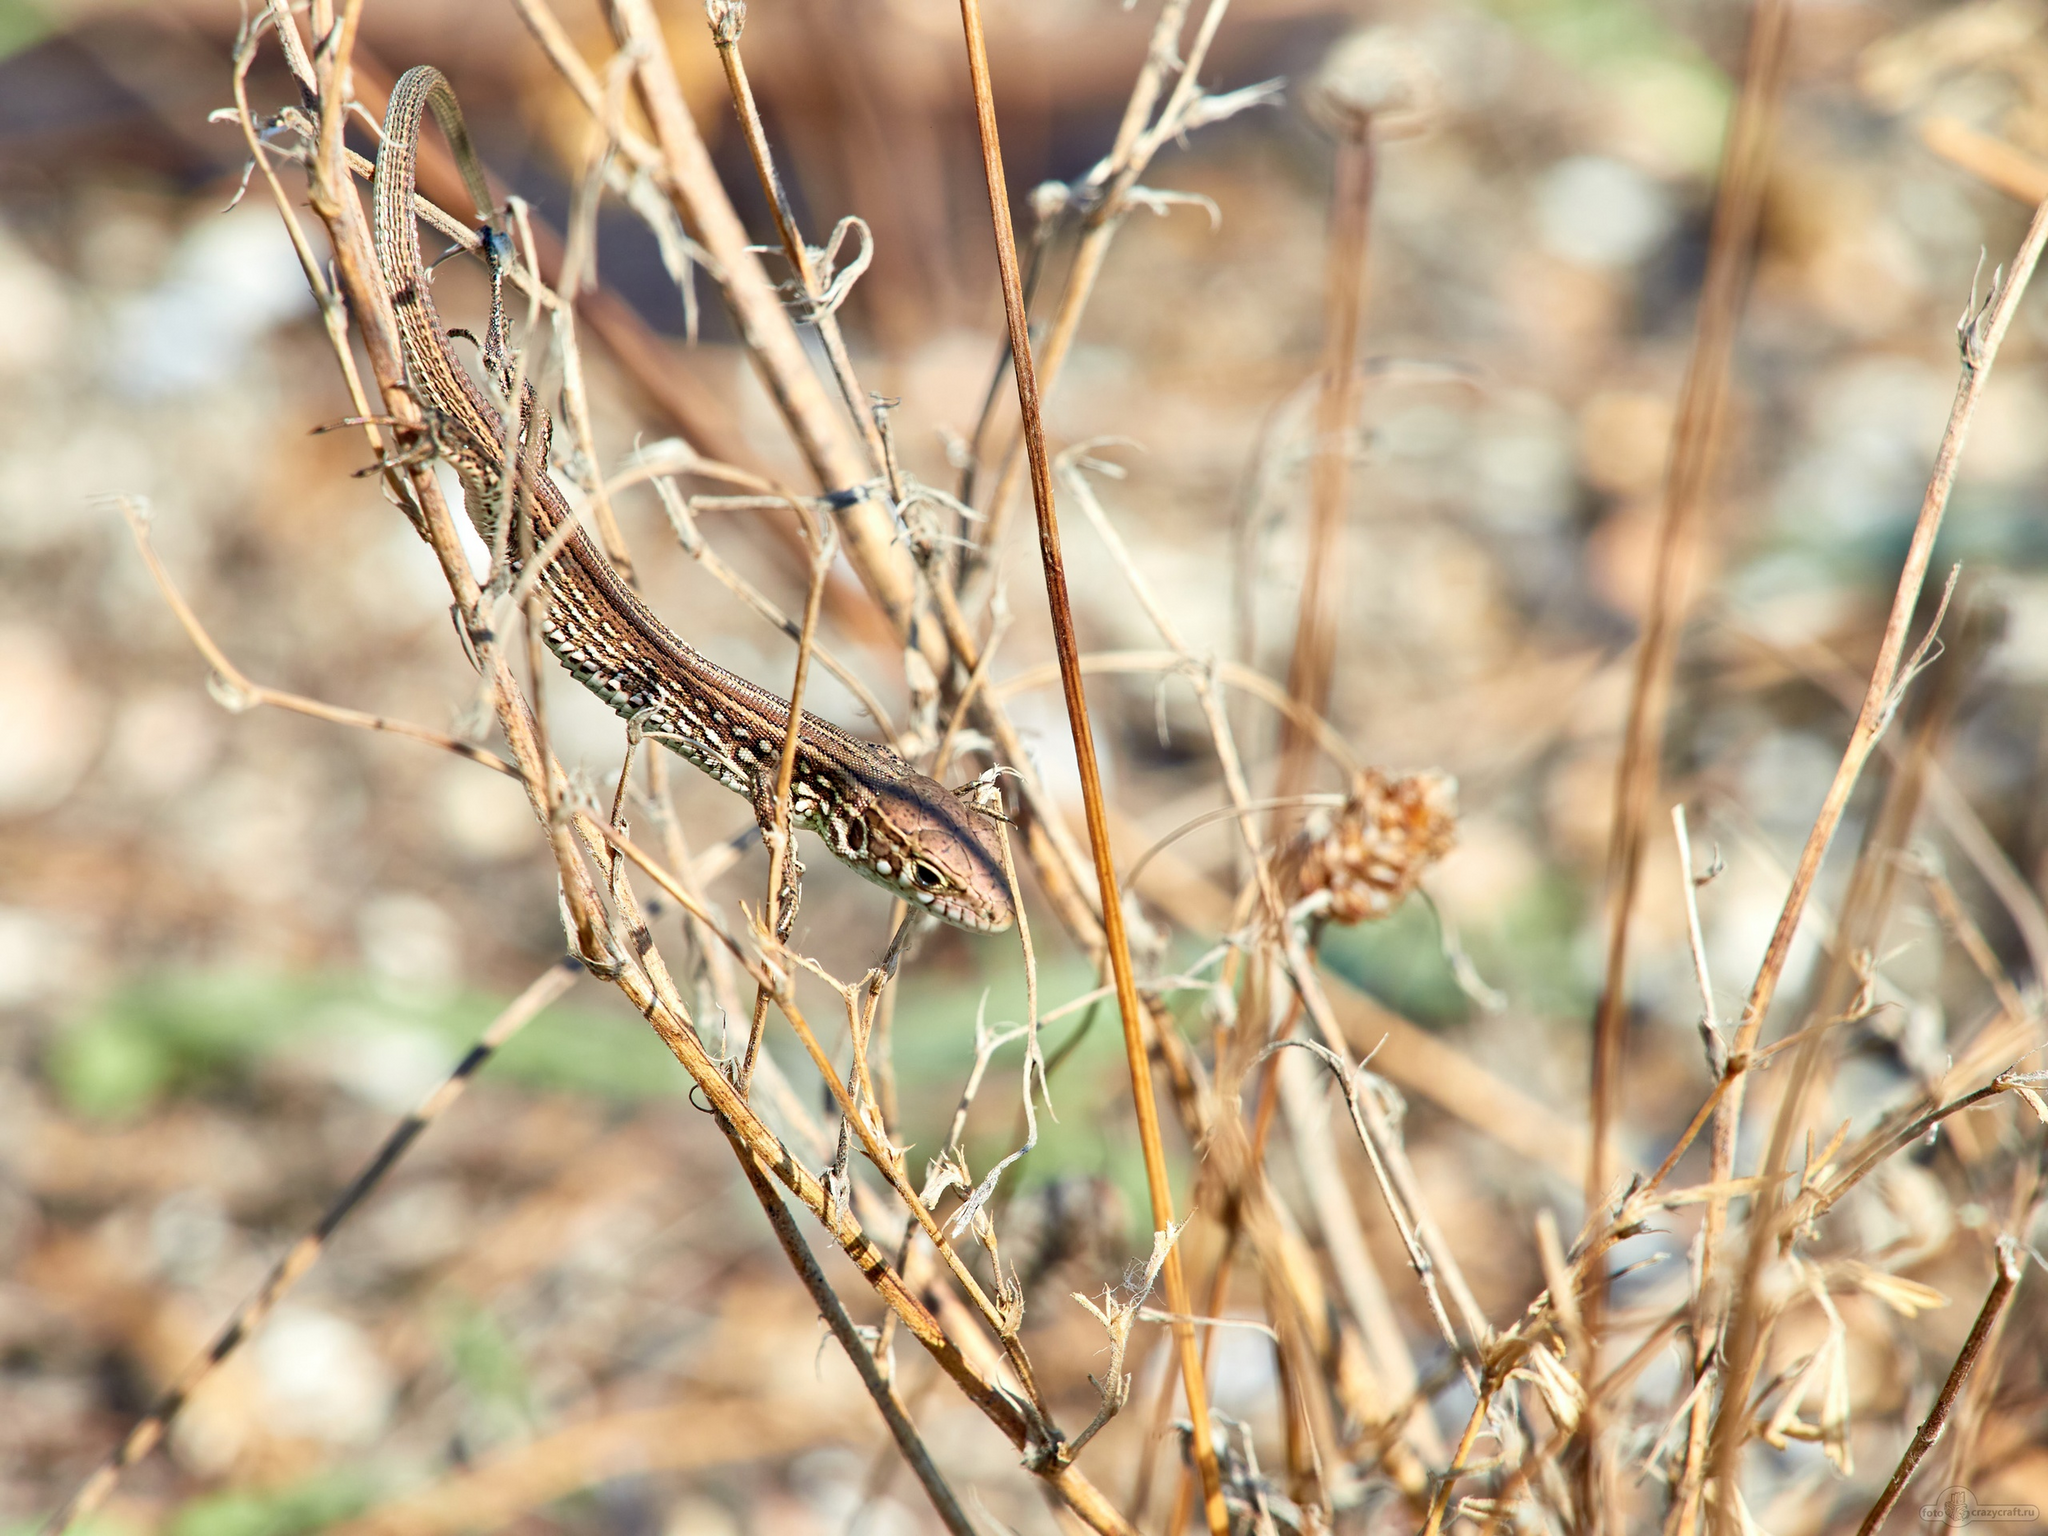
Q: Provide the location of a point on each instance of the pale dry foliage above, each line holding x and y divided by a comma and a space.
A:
1761, 1281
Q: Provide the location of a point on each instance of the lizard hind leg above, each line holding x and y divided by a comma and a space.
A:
789, 889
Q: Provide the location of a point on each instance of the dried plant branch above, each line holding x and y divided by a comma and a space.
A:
234, 690
1240, 677
682, 520
1958, 818
1114, 939
148, 1433
889, 1162
779, 903
1310, 663
682, 167
1738, 205
1885, 1143
1376, 1136
728, 20
1966, 933
1710, 1028
749, 1136
2012, 1263
1116, 1314
1106, 195
944, 1501
1980, 332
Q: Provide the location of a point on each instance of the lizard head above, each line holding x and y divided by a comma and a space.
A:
936, 851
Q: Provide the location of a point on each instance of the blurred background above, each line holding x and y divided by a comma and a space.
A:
233, 947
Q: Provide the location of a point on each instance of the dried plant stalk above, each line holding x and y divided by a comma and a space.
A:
1980, 333
1114, 939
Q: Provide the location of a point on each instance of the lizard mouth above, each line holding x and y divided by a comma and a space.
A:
961, 915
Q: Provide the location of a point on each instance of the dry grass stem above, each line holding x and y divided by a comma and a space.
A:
1114, 939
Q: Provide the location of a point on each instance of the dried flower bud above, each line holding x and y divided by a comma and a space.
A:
1376, 75
1374, 851
728, 19
1049, 200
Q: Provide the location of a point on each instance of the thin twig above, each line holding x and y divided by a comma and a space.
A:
833, 1311
2012, 1263
233, 688
727, 22
688, 176
303, 1254
1313, 656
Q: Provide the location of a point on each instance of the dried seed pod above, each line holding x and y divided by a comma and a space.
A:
1372, 853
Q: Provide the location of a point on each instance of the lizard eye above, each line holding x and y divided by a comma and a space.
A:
925, 876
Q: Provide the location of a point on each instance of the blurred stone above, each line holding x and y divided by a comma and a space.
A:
189, 1230
1624, 440
483, 815
2021, 651
1849, 257
1785, 777
1791, 599
38, 311
1601, 213
395, 583
832, 1481
419, 1226
232, 278
323, 1377
409, 939
692, 1515
1672, 114
253, 826
390, 1066
52, 720
1940, 215
1378, 71
1875, 422
1622, 554
2009, 433
1523, 460
164, 740
37, 956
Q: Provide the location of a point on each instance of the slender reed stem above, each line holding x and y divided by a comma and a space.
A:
1315, 636
1114, 937
1738, 205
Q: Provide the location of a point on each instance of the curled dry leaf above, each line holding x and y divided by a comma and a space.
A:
1908, 1298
